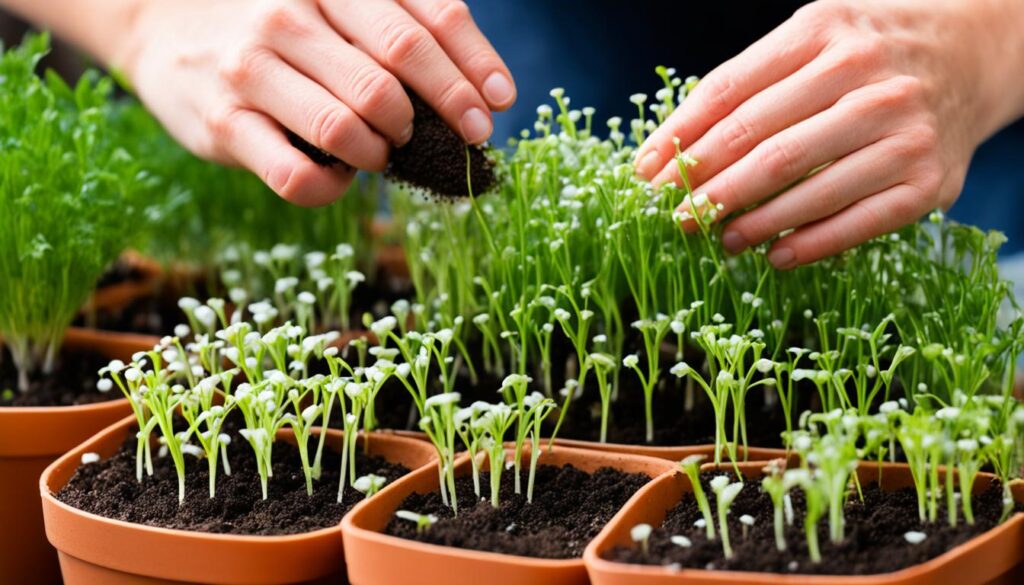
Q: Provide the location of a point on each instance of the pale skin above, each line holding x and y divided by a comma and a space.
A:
887, 99
893, 95
226, 77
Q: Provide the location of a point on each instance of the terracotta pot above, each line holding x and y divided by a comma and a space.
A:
95, 550
676, 453
30, 439
115, 297
375, 558
988, 558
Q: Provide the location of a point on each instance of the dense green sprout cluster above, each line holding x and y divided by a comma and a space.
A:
71, 199
575, 248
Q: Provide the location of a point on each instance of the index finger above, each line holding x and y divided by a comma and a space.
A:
389, 34
772, 58
452, 25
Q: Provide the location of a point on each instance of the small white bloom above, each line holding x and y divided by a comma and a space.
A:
914, 537
681, 541
640, 532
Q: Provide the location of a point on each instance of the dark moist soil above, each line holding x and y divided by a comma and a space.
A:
874, 540
109, 489
435, 158
159, 313
673, 424
318, 156
73, 382
569, 508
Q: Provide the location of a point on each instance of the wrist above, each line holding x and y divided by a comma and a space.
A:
998, 34
118, 44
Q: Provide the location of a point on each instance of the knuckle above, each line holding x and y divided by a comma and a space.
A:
332, 128
906, 89
830, 195
898, 93
861, 56
739, 135
238, 70
280, 17
817, 17
452, 92
452, 16
219, 123
870, 217
920, 141
781, 158
374, 89
404, 44
930, 176
718, 91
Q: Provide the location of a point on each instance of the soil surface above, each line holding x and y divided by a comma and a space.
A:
569, 508
674, 425
109, 489
874, 541
434, 159
73, 381
159, 313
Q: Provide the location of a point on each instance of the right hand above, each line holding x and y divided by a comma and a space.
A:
224, 77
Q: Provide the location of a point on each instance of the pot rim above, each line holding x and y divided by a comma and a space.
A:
198, 537
595, 561
349, 526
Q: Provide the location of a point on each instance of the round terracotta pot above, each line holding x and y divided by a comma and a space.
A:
375, 558
30, 439
993, 557
94, 550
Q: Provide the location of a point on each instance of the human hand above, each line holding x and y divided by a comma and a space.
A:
894, 96
224, 77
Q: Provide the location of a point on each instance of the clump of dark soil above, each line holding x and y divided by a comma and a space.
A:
569, 508
435, 158
109, 488
318, 156
72, 382
874, 540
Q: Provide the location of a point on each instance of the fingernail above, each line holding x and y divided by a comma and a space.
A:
648, 165
734, 242
476, 126
406, 136
498, 89
782, 258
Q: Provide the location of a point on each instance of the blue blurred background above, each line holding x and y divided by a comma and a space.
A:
601, 51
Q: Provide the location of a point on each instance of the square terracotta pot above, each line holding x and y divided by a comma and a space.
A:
375, 558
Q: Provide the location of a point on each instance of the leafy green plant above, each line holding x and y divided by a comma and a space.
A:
71, 199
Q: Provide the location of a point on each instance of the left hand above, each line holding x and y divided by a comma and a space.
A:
892, 95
